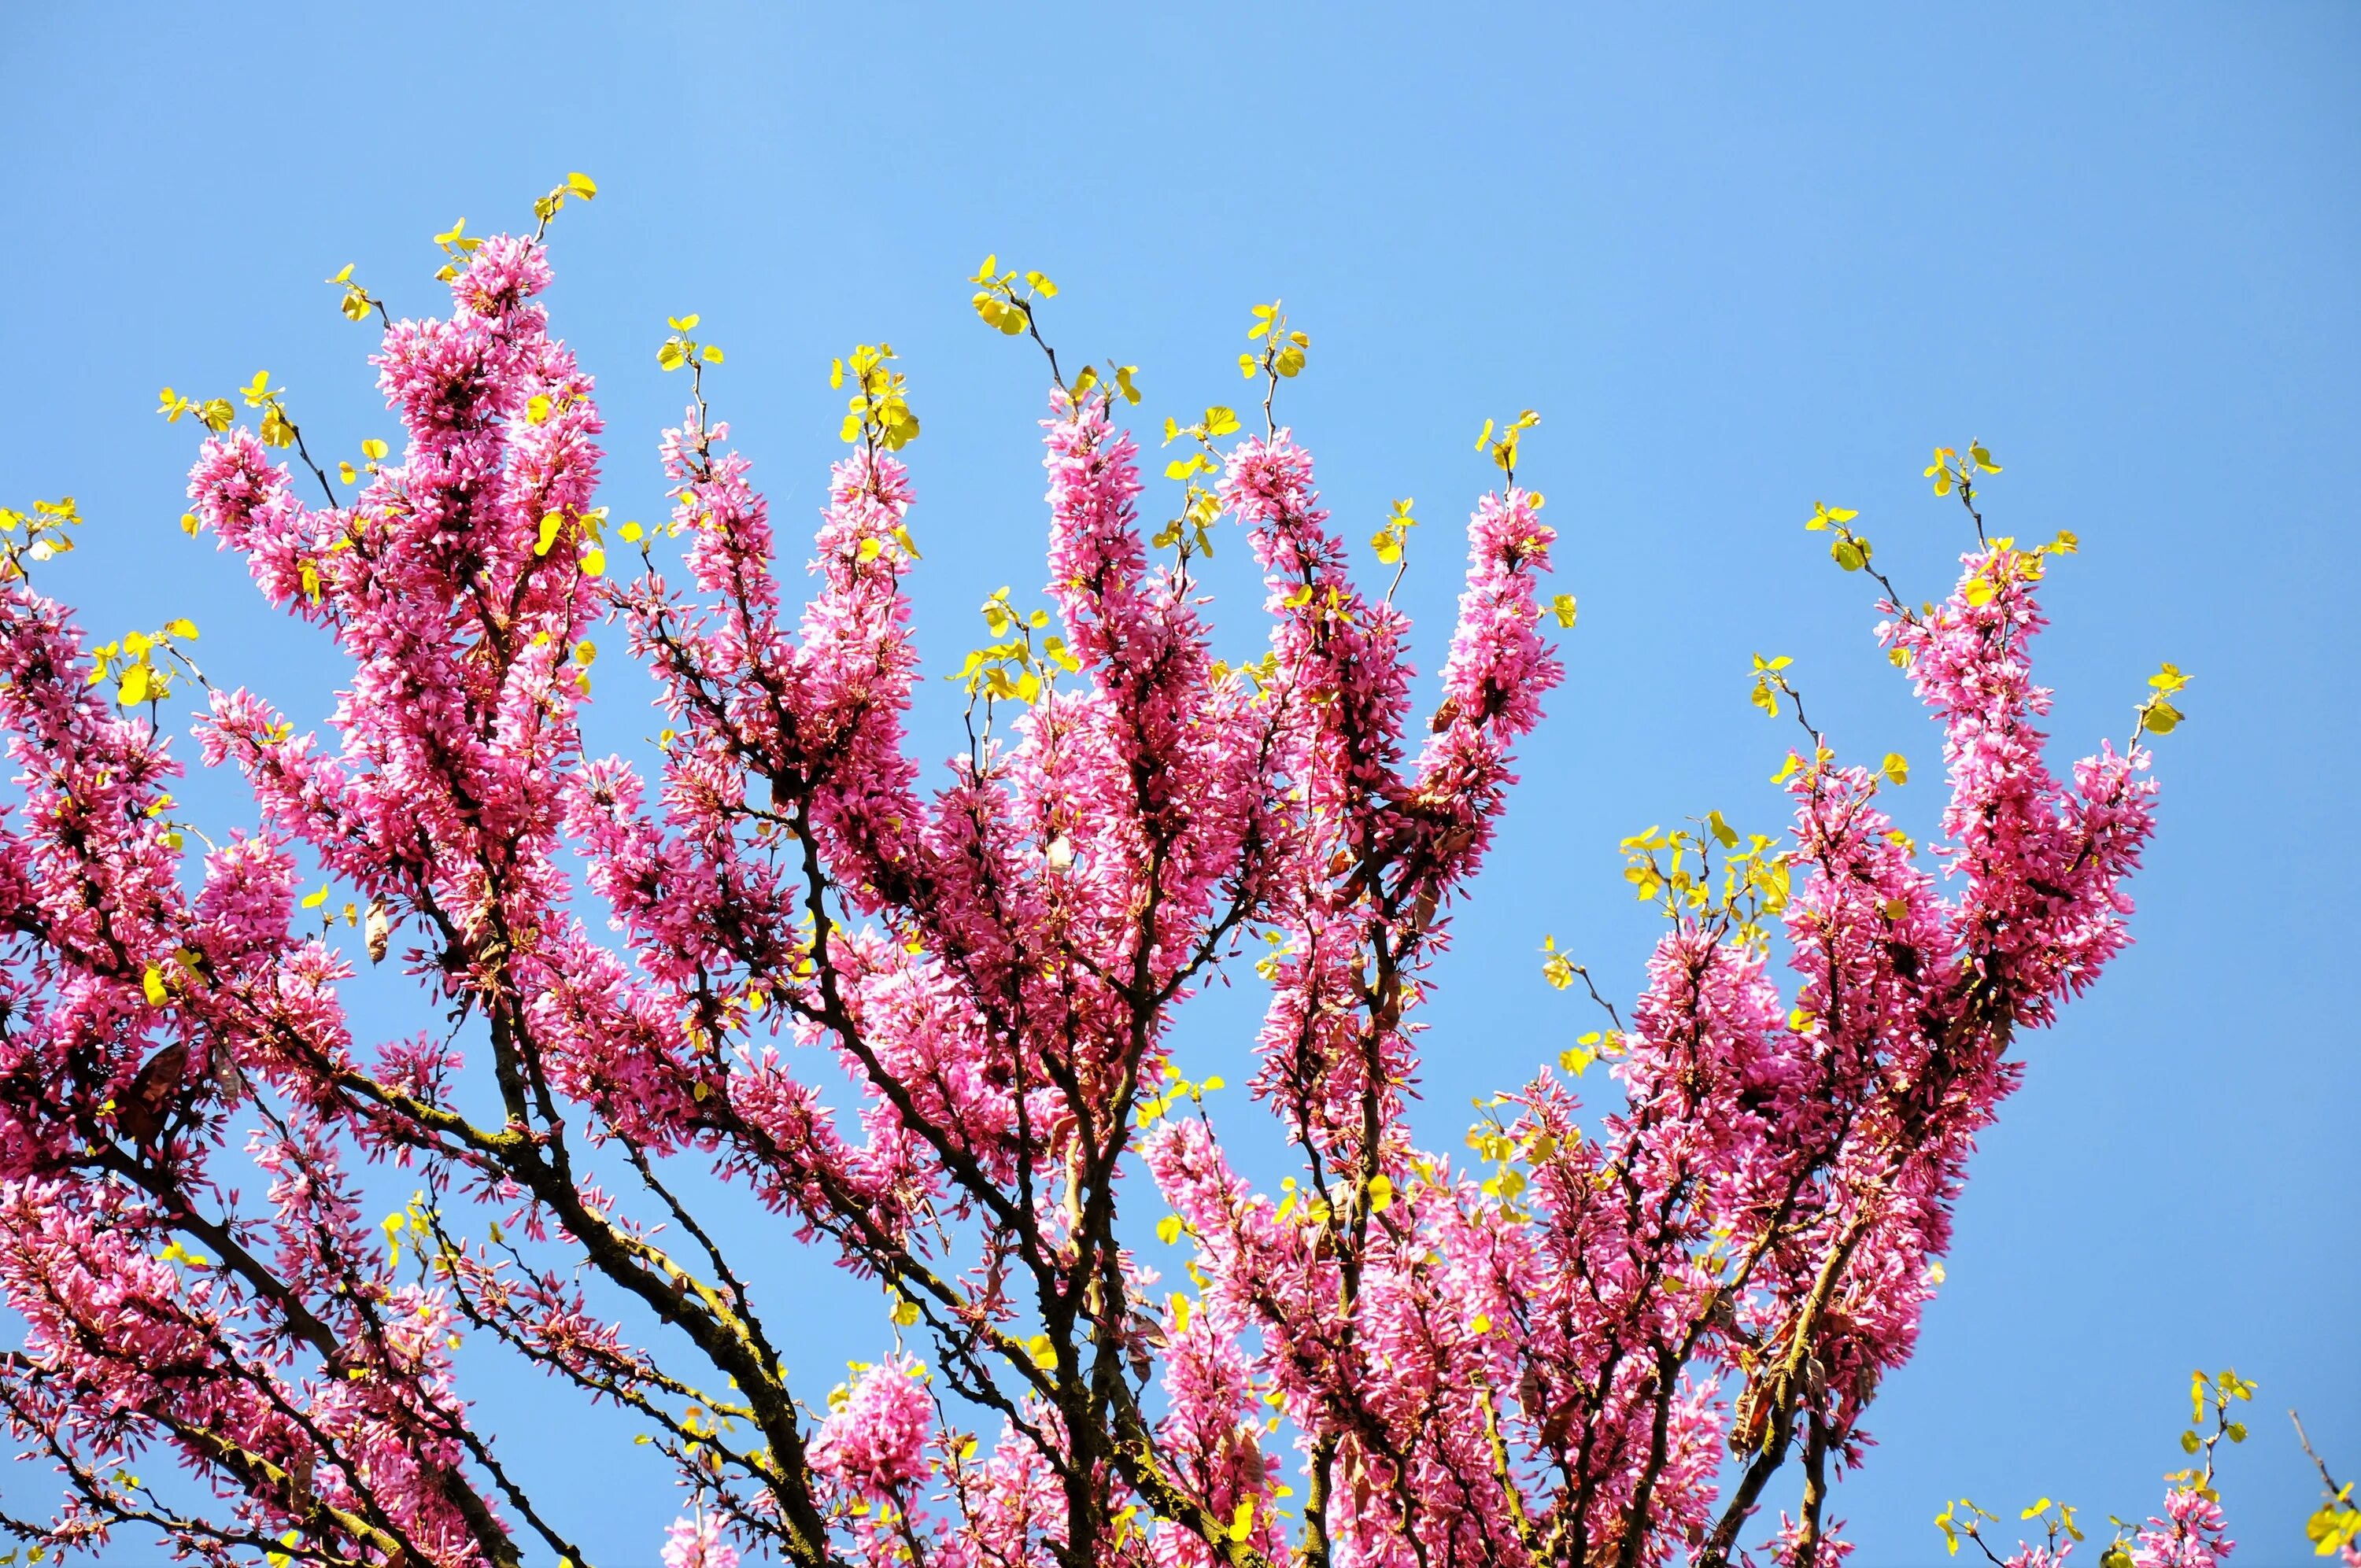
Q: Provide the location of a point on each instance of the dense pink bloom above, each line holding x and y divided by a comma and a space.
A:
929, 1026
877, 1439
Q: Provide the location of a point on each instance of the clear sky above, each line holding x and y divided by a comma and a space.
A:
1738, 258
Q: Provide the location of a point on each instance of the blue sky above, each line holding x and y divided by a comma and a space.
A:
1738, 258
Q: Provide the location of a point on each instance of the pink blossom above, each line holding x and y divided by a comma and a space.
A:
696, 1543
928, 1025
875, 1440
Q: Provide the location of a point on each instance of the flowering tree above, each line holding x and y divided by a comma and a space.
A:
1584, 1346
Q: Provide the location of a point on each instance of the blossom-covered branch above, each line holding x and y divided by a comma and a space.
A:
1594, 1342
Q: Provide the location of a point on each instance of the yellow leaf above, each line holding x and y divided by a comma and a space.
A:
134, 690
152, 983
550, 524
373, 449
1896, 767
1563, 607
536, 410
583, 186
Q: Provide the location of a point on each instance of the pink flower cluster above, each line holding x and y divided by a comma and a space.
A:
698, 1543
875, 1440
1591, 1343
